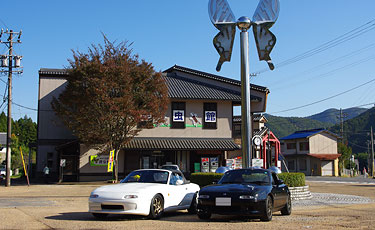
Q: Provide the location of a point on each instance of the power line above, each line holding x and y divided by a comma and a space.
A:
332, 71
3, 23
328, 45
336, 60
325, 99
288, 122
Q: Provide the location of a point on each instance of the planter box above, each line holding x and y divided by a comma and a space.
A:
300, 193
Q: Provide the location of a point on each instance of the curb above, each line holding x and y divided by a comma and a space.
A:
300, 193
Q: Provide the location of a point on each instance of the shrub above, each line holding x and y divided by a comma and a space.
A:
293, 179
203, 179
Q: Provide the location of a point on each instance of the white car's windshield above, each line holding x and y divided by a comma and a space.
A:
147, 176
170, 167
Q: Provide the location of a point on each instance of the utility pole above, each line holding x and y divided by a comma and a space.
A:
372, 153
7, 61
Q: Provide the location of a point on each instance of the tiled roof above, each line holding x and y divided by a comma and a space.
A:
214, 77
325, 156
184, 88
307, 133
256, 117
46, 71
182, 144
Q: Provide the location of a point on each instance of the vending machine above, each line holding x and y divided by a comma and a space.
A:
214, 164
205, 162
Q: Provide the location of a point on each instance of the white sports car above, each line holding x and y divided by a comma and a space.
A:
148, 192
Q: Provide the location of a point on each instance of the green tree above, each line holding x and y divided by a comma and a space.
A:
108, 93
345, 152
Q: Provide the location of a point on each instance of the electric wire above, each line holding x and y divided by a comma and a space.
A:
325, 99
348, 66
319, 67
328, 45
2, 22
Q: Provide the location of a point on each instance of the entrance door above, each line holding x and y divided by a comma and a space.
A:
327, 168
70, 171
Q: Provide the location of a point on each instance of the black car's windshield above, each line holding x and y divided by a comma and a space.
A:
147, 176
246, 176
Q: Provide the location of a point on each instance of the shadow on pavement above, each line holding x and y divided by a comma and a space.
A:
86, 216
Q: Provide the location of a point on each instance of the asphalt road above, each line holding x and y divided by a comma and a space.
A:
65, 207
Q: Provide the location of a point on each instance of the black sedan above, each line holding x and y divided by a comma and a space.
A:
249, 192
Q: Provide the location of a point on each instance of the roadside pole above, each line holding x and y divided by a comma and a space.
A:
372, 153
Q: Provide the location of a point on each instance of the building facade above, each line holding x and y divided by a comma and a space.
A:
312, 152
196, 134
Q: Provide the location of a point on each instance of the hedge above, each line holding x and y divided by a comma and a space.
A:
290, 179
293, 179
203, 179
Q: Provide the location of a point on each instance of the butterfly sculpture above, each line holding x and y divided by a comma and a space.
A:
263, 19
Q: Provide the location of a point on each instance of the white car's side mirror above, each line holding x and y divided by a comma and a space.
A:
179, 182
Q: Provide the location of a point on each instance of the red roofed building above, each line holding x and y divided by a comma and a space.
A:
313, 152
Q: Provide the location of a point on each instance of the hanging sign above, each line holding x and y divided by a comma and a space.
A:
110, 161
210, 116
178, 115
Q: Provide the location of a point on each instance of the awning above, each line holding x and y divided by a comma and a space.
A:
224, 144
325, 156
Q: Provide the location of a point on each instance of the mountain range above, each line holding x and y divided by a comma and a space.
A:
357, 124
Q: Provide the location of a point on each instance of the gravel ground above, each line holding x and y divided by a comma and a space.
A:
333, 206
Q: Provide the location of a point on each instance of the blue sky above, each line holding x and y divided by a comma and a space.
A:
169, 32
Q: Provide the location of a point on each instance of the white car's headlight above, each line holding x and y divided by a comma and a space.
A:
94, 195
204, 196
130, 196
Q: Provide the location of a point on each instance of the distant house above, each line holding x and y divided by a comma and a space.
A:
313, 152
3, 143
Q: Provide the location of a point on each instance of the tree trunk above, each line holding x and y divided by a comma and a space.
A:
116, 164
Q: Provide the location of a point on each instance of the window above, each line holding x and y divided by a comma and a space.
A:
178, 115
304, 146
291, 165
210, 115
302, 164
291, 146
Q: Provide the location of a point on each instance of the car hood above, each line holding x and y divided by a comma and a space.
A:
234, 188
118, 191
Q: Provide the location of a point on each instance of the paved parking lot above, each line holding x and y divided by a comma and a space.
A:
65, 207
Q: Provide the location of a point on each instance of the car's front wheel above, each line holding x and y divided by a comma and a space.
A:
268, 209
193, 206
287, 210
204, 214
156, 207
100, 215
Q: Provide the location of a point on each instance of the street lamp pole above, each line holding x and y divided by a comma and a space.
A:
244, 24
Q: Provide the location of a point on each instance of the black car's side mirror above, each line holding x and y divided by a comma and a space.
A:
279, 182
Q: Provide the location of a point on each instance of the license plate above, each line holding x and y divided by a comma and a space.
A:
223, 201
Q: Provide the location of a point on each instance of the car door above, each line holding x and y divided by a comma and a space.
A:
178, 193
279, 191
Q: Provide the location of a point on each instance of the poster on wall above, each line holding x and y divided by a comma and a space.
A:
214, 164
99, 160
205, 162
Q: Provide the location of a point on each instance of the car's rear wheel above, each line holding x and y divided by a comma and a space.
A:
287, 210
156, 207
193, 206
268, 209
204, 214
100, 215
